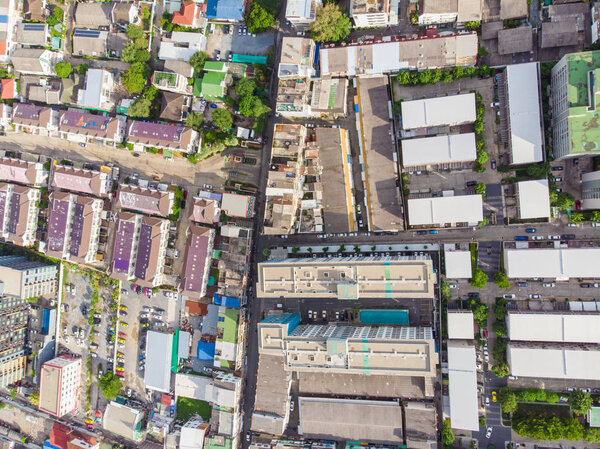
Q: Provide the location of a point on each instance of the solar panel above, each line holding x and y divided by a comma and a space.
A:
94, 34
34, 27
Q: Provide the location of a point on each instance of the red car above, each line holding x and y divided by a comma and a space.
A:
485, 333
120, 373
578, 205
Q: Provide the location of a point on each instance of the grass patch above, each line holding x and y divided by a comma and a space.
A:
270, 5
187, 408
529, 409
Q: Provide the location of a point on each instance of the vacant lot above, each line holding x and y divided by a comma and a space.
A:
187, 408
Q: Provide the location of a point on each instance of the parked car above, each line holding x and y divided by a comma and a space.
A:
488, 432
531, 230
473, 295
434, 231
509, 296
537, 237
452, 285
549, 284
586, 285
568, 236
554, 237
521, 237
558, 168
534, 296
522, 284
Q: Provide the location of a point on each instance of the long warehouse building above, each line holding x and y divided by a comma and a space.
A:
445, 149
554, 263
554, 327
440, 111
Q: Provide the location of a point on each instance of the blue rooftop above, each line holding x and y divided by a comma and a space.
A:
206, 350
291, 319
225, 10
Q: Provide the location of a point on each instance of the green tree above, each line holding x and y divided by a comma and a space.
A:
58, 13
591, 434
552, 397
580, 402
508, 400
132, 53
140, 108
480, 314
266, 252
595, 215
542, 427
480, 188
473, 25
501, 369
501, 279
576, 217
252, 106
330, 25
110, 385
221, 118
82, 68
447, 434
134, 31
194, 120
539, 171
34, 398
445, 290
245, 86
259, 19
63, 69
197, 62
135, 78
479, 278
499, 329
150, 92
499, 309
565, 200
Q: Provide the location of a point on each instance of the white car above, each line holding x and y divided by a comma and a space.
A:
310, 314
549, 284
324, 313
452, 285
487, 401
554, 237
67, 339
291, 406
537, 237
509, 296
488, 432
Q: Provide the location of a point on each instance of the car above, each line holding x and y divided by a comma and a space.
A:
97, 315
494, 397
434, 231
487, 401
134, 287
568, 236
291, 406
248, 436
122, 335
576, 161
121, 340
144, 325
147, 309
310, 314
124, 292
229, 56
509, 296
93, 355
471, 183
119, 369
521, 237
421, 232
324, 314
557, 168
573, 225
549, 284
239, 34
124, 324
486, 357
123, 308
156, 316
488, 432
586, 285
82, 145
531, 230
537, 237
122, 313
473, 295
128, 391
493, 164
67, 339
534, 296
558, 179
120, 359
452, 285
522, 284
554, 237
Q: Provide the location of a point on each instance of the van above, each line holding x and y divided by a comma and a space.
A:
521, 237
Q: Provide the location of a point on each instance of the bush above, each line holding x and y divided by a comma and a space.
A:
580, 402
63, 69
551, 428
479, 278
508, 400
501, 280
82, 69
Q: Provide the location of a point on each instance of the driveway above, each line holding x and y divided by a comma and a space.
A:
237, 43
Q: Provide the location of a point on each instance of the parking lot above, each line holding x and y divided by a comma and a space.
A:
234, 42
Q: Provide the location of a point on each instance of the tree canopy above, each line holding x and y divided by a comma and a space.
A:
564, 200
499, 329
197, 62
140, 108
508, 400
63, 69
259, 19
252, 106
500, 369
330, 25
501, 279
82, 68
539, 170
110, 385
479, 278
541, 427
134, 31
480, 188
132, 53
580, 402
135, 78
221, 118
194, 120
245, 86
447, 434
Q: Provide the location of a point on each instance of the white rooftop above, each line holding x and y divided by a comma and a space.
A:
158, 361
534, 199
458, 264
460, 324
451, 110
182, 45
298, 9
555, 263
524, 113
439, 150
462, 376
447, 209
91, 97
553, 363
554, 327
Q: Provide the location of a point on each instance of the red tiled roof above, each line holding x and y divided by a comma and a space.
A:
2, 47
165, 399
196, 308
7, 91
58, 435
186, 15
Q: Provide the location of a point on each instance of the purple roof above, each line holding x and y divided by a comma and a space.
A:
3, 195
84, 121
123, 244
58, 225
76, 229
159, 131
27, 111
195, 263
15, 210
144, 248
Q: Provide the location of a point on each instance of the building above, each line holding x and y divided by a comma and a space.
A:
181, 46
32, 34
369, 13
446, 211
226, 344
169, 81
79, 126
513, 9
212, 86
124, 13
34, 119
574, 110
60, 380
193, 434
65, 437
328, 97
97, 92
297, 57
554, 327
515, 40
123, 420
145, 260
36, 61
521, 106
19, 208
533, 199
561, 264
347, 278
27, 278
10, 12
157, 375
7, 89
93, 43
162, 136
41, 90
205, 211
90, 182
93, 15
460, 325
174, 107
225, 10
5, 115
462, 379
236, 205
146, 200
590, 190
74, 227
22, 172
198, 254
397, 53
14, 311
452, 150
458, 264
562, 33
441, 111
436, 12
190, 15
34, 10
302, 12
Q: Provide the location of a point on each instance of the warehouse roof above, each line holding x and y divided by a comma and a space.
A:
158, 363
460, 324
458, 264
428, 112
515, 40
566, 327
556, 263
524, 113
442, 149
446, 209
462, 375
534, 199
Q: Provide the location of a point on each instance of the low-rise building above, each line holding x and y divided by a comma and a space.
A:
97, 91
513, 9
174, 107
462, 386
81, 180
5, 114
146, 200
34, 10
22, 172
193, 434
65, 437
173, 82
34, 119
534, 199
60, 380
302, 12
441, 111
460, 325
297, 57
157, 376
452, 150
436, 12
190, 15
93, 15
515, 40
226, 344
236, 205
567, 327
36, 61
162, 136
458, 264
27, 278
446, 211
590, 190
552, 263
221, 390
124, 421
78, 126
225, 10
93, 43
197, 261
205, 211
33, 34
124, 13
181, 46
328, 97
19, 208
370, 13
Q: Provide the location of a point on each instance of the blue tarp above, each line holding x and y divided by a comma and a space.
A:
206, 350
48, 445
227, 301
3, 18
225, 10
45, 321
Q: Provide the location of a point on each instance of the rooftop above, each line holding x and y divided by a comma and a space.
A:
460, 324
445, 210
552, 263
554, 327
158, 361
440, 111
534, 199
458, 264
515, 40
441, 149
462, 376
563, 33
513, 9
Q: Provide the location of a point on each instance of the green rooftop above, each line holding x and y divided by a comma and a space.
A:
228, 321
215, 66
594, 417
212, 86
217, 442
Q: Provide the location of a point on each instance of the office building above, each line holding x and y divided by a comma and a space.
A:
25, 278
14, 312
60, 380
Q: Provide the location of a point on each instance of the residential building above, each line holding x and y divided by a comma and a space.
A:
205, 211
146, 200
181, 46
5, 114
36, 61
302, 12
41, 89
22, 172
139, 249
212, 86
462, 385
93, 15
197, 261
236, 205
40, 120
91, 182
329, 97
79, 126
174, 107
25, 278
397, 53
193, 434
463, 210
124, 13
297, 57
180, 67
34, 10
33, 34
435, 12
513, 9
533, 199
162, 136
561, 264
157, 376
123, 420
172, 82
373, 13
60, 380
10, 12
97, 91
7, 89
13, 320
74, 227
225, 10
590, 190
93, 43
226, 344
441, 111
573, 98
221, 390
595, 15
347, 278
293, 96
65, 437
454, 150
190, 15
515, 40
19, 208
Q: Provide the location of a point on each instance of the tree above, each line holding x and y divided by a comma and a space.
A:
34, 398
150, 93
135, 78
447, 434
499, 329
576, 217
132, 53
538, 171
595, 215
591, 434
82, 68
499, 309
194, 120
479, 278
58, 13
330, 25
134, 31
565, 200
139, 108
197, 62
110, 385
480, 314
445, 290
245, 86
580, 402
251, 106
542, 427
508, 400
221, 118
501, 279
501, 369
266, 252
480, 188
552, 397
259, 19
63, 69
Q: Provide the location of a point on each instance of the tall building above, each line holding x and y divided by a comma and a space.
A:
13, 322
60, 380
590, 190
575, 90
25, 278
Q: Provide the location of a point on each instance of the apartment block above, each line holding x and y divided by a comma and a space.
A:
13, 322
197, 260
19, 208
22, 172
41, 120
373, 13
25, 278
60, 381
297, 57
91, 182
146, 200
79, 126
590, 190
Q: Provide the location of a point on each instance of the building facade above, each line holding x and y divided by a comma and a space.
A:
13, 321
60, 380
25, 278
19, 208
